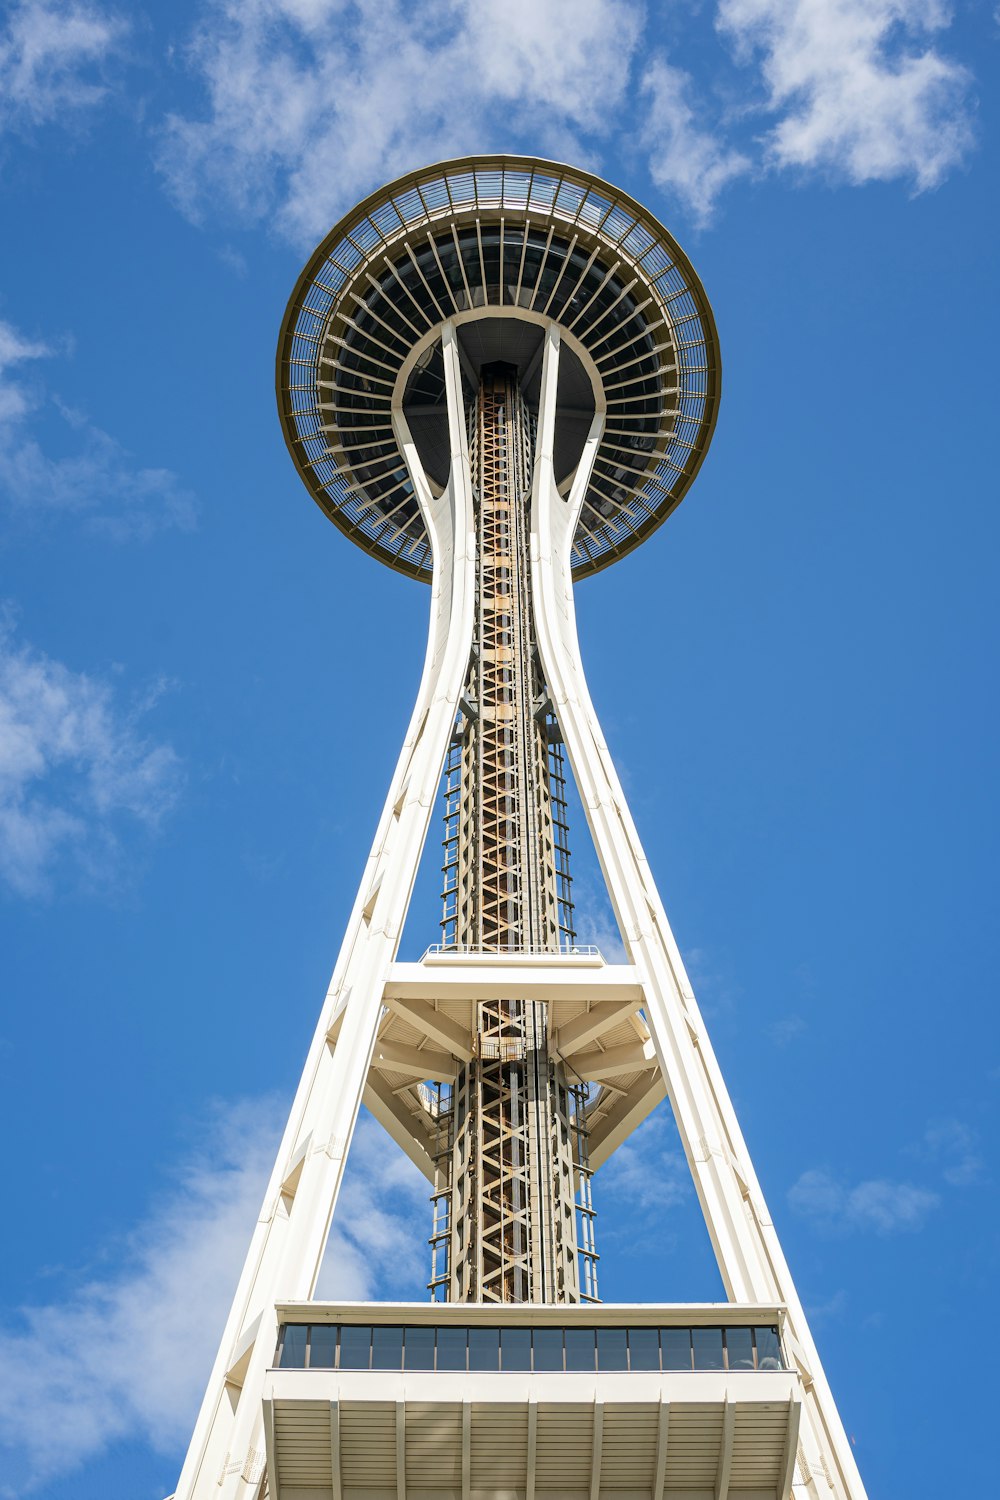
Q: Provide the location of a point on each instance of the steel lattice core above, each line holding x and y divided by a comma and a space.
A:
513, 1218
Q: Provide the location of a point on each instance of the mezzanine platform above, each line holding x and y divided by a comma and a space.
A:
520, 1402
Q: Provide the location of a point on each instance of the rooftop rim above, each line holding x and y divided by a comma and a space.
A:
608, 274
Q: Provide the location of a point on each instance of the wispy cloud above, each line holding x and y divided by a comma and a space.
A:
75, 767
692, 163
96, 480
718, 992
648, 1171
857, 87
378, 1247
125, 1356
874, 1205
831, 1309
595, 920
54, 60
310, 106
786, 1030
954, 1148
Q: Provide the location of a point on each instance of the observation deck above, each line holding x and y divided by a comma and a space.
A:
465, 1402
501, 247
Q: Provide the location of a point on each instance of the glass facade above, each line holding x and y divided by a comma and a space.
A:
356, 1346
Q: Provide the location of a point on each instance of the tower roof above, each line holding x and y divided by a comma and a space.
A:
501, 246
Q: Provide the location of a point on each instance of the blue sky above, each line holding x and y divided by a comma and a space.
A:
203, 686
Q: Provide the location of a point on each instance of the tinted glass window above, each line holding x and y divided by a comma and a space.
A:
579, 1349
574, 1348
484, 1349
323, 1346
644, 1348
293, 1347
548, 1348
451, 1348
707, 1348
612, 1350
739, 1348
387, 1348
355, 1347
676, 1348
515, 1348
419, 1353
768, 1349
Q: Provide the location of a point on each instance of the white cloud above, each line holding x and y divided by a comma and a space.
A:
53, 60
858, 88
570, 56
649, 1170
718, 993
692, 163
787, 1030
378, 1247
953, 1147
311, 105
876, 1204
831, 1309
595, 920
96, 480
126, 1356
73, 767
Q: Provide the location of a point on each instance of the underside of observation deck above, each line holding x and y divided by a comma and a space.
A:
624, 1403
486, 240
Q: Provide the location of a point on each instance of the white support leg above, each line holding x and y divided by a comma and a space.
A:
746, 1245
225, 1459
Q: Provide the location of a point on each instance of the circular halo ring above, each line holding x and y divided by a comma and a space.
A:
508, 232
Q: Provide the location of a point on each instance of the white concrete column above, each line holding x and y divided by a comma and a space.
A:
746, 1245
226, 1456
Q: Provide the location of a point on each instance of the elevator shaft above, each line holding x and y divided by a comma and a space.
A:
512, 1161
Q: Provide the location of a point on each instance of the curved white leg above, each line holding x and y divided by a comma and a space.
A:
746, 1245
226, 1456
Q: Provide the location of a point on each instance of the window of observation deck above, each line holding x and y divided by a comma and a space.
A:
353, 1346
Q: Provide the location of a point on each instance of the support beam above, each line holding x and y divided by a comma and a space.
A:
466, 1449
511, 976
597, 1451
726, 1451
400, 1450
273, 1487
336, 1484
404, 1127
633, 1057
746, 1245
626, 1116
585, 1028
529, 1488
791, 1447
455, 1039
662, 1435
421, 1062
236, 1374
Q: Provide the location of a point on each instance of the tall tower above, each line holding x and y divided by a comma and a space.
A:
499, 375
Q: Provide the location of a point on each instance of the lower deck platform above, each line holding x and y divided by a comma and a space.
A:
506, 1433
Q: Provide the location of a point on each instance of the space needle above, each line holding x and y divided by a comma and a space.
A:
498, 376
